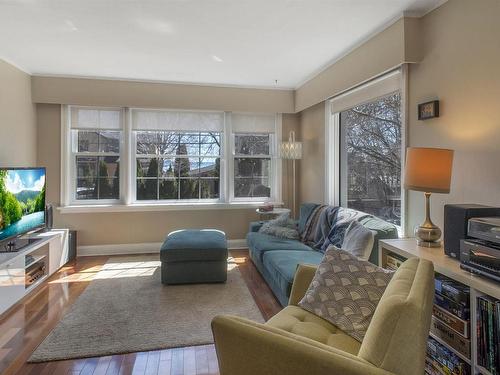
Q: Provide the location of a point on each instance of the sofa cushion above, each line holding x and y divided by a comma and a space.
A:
295, 320
382, 230
260, 243
281, 265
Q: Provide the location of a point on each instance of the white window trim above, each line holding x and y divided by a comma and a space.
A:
332, 137
275, 168
68, 160
128, 202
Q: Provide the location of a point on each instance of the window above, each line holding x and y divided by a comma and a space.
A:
95, 143
174, 165
370, 159
168, 157
252, 166
364, 148
254, 170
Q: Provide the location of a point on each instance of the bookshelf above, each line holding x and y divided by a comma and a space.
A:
449, 267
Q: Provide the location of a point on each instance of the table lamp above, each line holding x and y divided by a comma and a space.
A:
292, 150
428, 170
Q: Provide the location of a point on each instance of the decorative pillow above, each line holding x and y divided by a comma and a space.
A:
282, 220
281, 232
345, 291
358, 240
282, 227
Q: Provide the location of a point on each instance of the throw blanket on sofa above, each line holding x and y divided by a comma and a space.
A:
326, 225
343, 217
326, 222
309, 233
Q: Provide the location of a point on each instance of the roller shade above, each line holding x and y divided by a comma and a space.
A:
253, 123
177, 120
97, 119
376, 88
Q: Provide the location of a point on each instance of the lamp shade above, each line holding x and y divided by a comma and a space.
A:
428, 169
292, 149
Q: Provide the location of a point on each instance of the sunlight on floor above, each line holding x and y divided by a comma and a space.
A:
121, 268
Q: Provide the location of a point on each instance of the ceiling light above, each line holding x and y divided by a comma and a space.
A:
217, 58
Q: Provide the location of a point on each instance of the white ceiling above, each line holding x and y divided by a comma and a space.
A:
227, 42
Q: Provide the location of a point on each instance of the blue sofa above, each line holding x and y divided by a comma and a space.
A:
277, 259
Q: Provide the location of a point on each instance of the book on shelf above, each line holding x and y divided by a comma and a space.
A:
393, 261
454, 322
450, 337
488, 334
444, 360
451, 306
452, 289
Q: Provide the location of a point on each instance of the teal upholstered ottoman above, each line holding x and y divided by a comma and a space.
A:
194, 256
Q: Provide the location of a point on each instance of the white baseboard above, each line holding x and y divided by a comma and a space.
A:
139, 248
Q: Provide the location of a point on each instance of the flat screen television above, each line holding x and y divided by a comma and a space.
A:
22, 201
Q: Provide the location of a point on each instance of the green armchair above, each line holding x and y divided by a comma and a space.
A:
296, 342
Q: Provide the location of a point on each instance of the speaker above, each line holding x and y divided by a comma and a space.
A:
49, 218
456, 217
72, 245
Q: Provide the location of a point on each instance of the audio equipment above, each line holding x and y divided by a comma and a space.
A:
481, 257
485, 228
49, 217
72, 245
456, 217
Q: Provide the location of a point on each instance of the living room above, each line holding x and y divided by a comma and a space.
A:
177, 178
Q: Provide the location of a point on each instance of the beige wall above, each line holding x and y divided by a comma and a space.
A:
133, 227
460, 67
17, 118
386, 50
102, 92
312, 165
461, 47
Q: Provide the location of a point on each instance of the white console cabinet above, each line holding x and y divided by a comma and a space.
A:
50, 249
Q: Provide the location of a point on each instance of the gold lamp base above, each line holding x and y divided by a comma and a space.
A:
428, 234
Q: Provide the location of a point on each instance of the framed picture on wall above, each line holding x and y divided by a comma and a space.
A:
428, 110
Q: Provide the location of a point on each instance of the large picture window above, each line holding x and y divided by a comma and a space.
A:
364, 148
152, 157
371, 158
173, 166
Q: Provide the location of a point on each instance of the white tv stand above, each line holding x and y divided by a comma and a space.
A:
51, 249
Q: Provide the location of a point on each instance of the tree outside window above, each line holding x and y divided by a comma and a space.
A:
177, 166
371, 158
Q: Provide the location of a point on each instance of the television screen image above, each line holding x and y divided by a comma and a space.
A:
22, 201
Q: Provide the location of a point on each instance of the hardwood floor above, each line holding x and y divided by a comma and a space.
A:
23, 328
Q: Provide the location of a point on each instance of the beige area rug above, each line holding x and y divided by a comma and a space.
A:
127, 309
